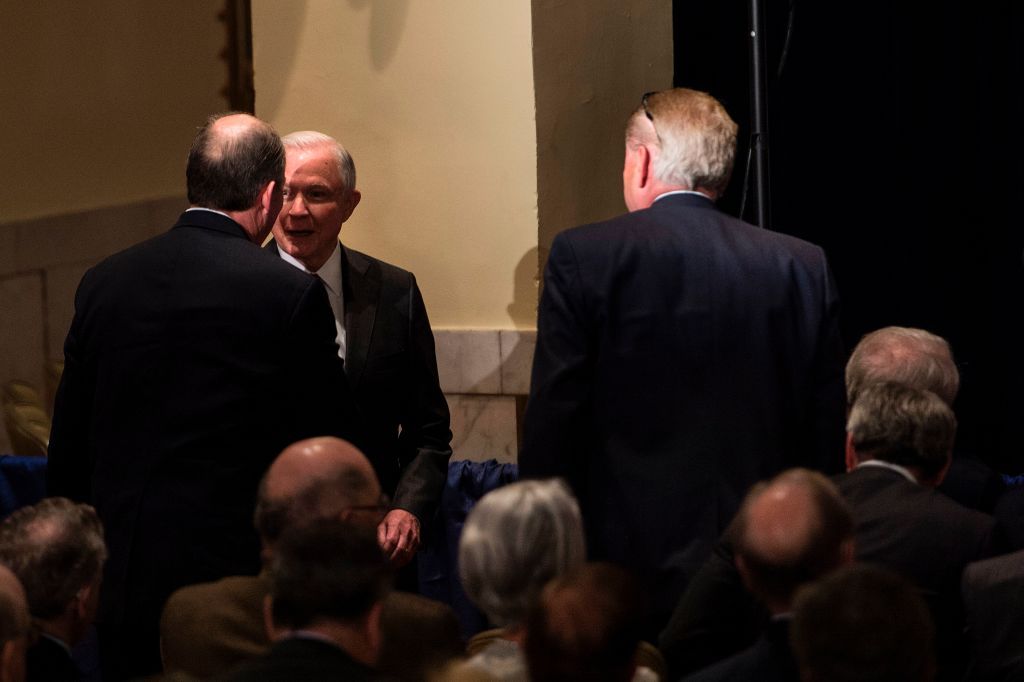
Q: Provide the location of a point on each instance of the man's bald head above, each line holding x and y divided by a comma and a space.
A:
232, 159
315, 479
789, 531
903, 355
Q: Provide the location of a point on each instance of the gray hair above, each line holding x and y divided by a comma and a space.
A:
515, 540
902, 425
311, 139
55, 548
695, 137
905, 355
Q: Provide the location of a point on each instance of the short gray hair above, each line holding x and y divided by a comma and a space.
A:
902, 425
55, 548
905, 355
311, 139
515, 540
695, 137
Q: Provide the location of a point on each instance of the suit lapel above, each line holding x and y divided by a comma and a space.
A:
361, 286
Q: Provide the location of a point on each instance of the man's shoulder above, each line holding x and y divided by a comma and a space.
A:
232, 590
362, 264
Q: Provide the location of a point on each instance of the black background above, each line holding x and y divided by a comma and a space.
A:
895, 143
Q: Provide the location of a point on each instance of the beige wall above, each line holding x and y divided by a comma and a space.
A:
100, 99
592, 62
435, 102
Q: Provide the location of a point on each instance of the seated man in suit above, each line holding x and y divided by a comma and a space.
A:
328, 581
56, 549
208, 628
384, 337
789, 532
899, 444
15, 627
716, 617
862, 623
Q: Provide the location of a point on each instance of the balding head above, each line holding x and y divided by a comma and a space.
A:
233, 160
903, 355
14, 627
789, 531
315, 479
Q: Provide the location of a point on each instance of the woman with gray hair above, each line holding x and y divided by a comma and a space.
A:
515, 540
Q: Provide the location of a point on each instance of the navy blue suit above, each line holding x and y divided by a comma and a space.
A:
682, 355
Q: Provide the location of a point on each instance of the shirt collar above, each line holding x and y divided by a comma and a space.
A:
210, 210
329, 273
902, 471
682, 191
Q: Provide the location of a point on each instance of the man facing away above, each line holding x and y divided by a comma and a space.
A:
192, 360
57, 551
383, 335
682, 355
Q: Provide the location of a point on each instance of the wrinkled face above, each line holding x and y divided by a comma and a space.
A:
316, 203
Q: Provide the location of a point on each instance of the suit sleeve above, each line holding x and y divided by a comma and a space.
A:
68, 465
321, 401
426, 434
556, 426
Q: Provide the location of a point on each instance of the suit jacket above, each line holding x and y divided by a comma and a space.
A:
193, 359
923, 535
770, 659
392, 368
682, 355
302, 659
208, 629
993, 591
48, 661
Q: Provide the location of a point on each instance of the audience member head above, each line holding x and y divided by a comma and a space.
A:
236, 165
586, 626
515, 540
317, 478
903, 355
894, 423
56, 550
320, 195
15, 627
862, 624
330, 577
789, 531
677, 139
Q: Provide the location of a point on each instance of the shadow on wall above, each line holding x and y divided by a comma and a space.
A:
387, 23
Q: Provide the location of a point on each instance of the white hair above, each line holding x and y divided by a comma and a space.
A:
515, 540
311, 139
905, 355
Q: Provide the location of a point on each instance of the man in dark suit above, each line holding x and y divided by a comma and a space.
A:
192, 360
789, 532
899, 445
383, 335
682, 355
57, 551
328, 581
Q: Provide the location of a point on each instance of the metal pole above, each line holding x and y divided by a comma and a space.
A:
759, 114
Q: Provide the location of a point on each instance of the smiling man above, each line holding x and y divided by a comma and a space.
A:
383, 335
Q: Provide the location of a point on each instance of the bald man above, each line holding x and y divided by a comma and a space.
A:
207, 629
789, 532
192, 360
15, 626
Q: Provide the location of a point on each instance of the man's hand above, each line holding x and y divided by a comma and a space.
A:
399, 536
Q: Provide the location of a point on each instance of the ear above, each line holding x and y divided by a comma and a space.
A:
847, 552
374, 638
81, 602
851, 453
353, 200
741, 568
268, 618
270, 193
9, 660
939, 477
